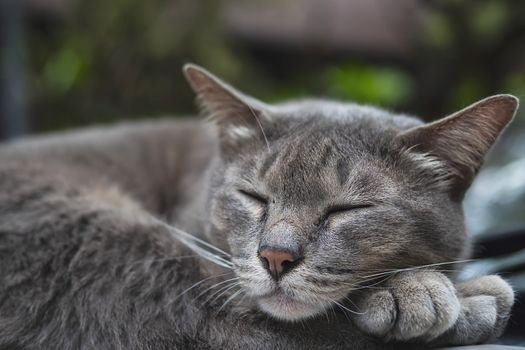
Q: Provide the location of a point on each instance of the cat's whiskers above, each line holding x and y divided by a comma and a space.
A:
259, 124
244, 296
325, 311
215, 286
216, 292
344, 308
166, 259
333, 311
216, 259
393, 271
221, 291
352, 302
359, 283
198, 284
229, 299
197, 245
188, 235
377, 281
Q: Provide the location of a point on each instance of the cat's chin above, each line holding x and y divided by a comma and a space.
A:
286, 308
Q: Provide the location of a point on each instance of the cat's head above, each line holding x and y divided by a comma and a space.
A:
315, 198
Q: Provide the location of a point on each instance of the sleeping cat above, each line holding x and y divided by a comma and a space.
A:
309, 224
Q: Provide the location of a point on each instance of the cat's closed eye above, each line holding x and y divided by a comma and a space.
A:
340, 210
253, 196
345, 208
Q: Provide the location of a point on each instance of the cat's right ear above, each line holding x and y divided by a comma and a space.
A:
458, 143
240, 117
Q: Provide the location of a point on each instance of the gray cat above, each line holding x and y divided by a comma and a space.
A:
310, 224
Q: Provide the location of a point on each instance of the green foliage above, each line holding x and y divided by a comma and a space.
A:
488, 18
438, 32
64, 70
121, 59
368, 84
466, 92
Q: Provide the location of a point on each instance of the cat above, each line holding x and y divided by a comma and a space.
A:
301, 225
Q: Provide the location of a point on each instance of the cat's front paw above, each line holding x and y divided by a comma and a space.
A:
425, 306
412, 305
486, 303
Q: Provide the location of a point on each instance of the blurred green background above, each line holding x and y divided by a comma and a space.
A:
96, 61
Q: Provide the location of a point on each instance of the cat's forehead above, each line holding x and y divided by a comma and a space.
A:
323, 133
318, 150
329, 112
318, 162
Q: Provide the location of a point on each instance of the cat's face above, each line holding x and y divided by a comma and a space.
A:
317, 199
336, 195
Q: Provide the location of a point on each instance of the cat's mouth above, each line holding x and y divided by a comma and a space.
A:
283, 306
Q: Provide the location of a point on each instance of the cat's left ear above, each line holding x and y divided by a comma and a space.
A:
461, 140
238, 116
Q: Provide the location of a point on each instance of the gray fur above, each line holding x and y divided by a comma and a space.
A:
94, 252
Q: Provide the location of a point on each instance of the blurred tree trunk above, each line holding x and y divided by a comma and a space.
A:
12, 89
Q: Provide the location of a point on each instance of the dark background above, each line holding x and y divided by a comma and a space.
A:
71, 63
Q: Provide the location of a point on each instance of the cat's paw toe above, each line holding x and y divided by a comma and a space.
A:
489, 285
486, 302
479, 322
412, 305
379, 313
427, 305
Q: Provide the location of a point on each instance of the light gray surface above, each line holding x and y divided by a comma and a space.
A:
484, 347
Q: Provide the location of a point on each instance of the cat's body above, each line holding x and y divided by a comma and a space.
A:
90, 257
102, 286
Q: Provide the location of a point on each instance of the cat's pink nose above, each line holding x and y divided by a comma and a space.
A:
277, 262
